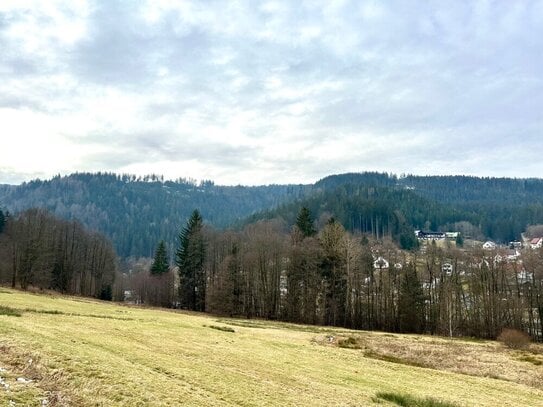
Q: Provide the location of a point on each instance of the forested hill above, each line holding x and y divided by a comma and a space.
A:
138, 212
494, 208
456, 189
385, 204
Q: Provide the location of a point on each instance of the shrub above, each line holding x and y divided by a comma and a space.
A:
514, 339
350, 343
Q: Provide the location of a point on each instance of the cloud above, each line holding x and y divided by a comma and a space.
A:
272, 92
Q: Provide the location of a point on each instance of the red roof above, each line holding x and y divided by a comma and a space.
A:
535, 240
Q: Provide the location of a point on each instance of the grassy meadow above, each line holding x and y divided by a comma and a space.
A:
66, 351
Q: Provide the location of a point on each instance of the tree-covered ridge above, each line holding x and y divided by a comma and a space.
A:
457, 189
135, 212
500, 208
378, 211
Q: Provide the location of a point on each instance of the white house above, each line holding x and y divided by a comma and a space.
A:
536, 242
509, 256
380, 263
489, 245
524, 276
447, 268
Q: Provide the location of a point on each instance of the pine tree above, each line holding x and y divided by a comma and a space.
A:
190, 257
459, 240
2, 221
411, 302
332, 239
160, 263
305, 223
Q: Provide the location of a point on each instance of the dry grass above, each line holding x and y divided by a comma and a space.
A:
474, 358
90, 353
514, 339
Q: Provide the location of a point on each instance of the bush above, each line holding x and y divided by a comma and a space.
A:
514, 339
349, 343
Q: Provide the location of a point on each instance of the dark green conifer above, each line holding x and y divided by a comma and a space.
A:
2, 221
305, 222
190, 257
411, 302
160, 263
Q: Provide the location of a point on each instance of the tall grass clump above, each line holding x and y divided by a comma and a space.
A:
406, 400
12, 312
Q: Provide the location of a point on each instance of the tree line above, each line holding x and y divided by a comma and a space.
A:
137, 212
39, 250
314, 272
317, 272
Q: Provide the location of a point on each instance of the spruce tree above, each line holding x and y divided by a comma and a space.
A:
411, 302
2, 221
160, 263
305, 223
190, 257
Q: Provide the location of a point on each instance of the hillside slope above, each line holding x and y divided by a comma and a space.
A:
82, 352
137, 213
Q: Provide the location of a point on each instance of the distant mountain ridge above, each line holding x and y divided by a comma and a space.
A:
138, 212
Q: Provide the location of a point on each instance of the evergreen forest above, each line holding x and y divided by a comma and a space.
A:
137, 212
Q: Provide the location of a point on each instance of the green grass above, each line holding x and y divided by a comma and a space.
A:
392, 359
406, 400
5, 310
83, 352
221, 328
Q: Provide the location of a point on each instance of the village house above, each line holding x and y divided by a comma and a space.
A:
429, 235
447, 268
536, 243
488, 245
509, 255
515, 244
380, 263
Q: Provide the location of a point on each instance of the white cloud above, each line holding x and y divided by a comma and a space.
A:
271, 92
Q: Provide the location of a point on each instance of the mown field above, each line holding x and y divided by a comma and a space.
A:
58, 350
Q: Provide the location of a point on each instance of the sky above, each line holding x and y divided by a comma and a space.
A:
260, 92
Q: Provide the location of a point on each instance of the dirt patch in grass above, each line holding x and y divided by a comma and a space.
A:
26, 381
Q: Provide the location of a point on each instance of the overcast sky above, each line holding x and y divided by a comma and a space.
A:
257, 92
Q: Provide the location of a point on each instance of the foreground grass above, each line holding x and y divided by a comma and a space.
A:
73, 351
